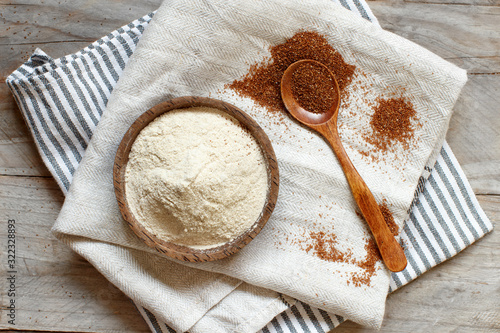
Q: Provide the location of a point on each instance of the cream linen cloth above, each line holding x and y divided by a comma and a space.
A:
195, 48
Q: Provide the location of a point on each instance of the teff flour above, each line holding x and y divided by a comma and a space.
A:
196, 177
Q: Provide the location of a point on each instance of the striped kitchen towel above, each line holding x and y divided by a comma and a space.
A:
62, 101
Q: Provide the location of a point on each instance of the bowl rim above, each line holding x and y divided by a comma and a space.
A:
171, 249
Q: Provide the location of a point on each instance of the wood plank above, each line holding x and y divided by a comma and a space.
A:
460, 2
56, 289
466, 35
474, 133
58, 28
18, 154
16, 151
459, 295
49, 21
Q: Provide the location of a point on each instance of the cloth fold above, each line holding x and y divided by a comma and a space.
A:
194, 48
92, 249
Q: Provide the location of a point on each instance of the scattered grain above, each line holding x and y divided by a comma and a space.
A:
262, 82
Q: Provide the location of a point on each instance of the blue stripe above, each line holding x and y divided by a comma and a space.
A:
93, 97
265, 329
426, 240
107, 63
23, 72
288, 322
463, 190
97, 66
135, 37
441, 220
361, 9
125, 45
141, 28
49, 112
102, 93
13, 76
397, 281
276, 325
46, 129
410, 258
71, 101
345, 4
60, 108
153, 321
112, 49
458, 204
117, 55
41, 143
327, 319
449, 212
312, 317
437, 236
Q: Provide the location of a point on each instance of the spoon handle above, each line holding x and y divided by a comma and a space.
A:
391, 251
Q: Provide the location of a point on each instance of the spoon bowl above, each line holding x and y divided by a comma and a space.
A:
325, 123
294, 107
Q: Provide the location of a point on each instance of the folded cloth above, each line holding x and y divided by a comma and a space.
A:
195, 48
435, 230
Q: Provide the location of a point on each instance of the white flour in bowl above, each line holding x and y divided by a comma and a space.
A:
196, 177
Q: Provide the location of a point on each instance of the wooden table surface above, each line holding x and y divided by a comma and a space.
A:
56, 290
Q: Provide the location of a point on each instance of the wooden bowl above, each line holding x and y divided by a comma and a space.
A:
173, 250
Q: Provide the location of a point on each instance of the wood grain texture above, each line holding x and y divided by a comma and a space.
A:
474, 133
464, 34
460, 295
58, 28
56, 289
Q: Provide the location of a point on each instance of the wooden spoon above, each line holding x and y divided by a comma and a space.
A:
326, 124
